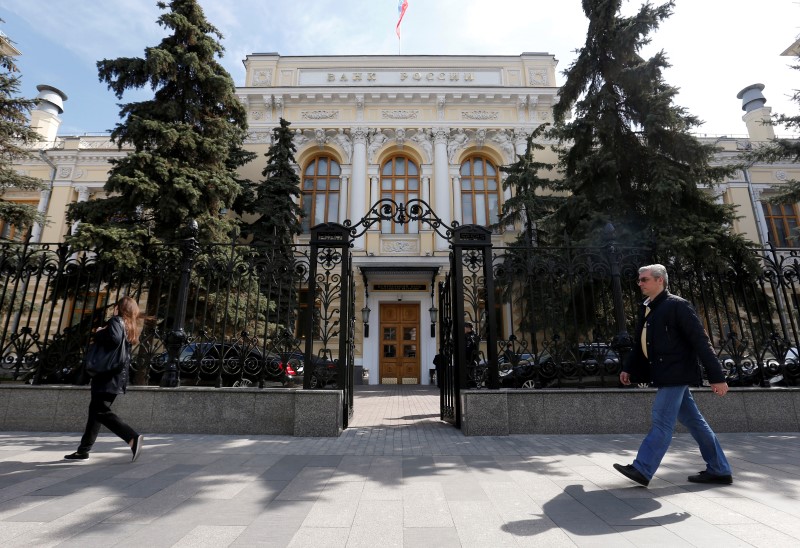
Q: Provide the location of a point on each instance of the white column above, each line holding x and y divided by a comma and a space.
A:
426, 190
458, 212
358, 190
44, 200
343, 198
83, 196
442, 204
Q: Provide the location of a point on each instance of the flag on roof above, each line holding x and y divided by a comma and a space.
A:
402, 5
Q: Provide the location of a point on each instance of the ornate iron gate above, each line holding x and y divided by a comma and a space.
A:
470, 294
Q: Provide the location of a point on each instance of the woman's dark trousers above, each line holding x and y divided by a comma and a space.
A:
100, 414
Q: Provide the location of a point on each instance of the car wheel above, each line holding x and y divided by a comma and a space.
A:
314, 382
530, 383
243, 383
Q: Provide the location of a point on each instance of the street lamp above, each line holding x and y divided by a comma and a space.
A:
365, 318
433, 311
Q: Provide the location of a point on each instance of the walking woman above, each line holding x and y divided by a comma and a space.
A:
123, 326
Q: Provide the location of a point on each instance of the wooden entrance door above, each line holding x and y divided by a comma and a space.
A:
399, 350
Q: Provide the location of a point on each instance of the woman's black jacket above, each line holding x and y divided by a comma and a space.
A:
110, 338
676, 342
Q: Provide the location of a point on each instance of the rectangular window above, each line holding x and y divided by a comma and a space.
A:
782, 223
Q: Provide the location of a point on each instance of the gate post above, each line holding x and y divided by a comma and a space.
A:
176, 339
330, 246
469, 238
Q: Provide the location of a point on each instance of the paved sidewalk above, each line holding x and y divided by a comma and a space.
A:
398, 477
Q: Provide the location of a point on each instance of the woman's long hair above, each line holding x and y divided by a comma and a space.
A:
128, 310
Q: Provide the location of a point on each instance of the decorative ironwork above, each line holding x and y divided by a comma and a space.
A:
414, 210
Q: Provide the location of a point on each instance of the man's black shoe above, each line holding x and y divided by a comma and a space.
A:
136, 448
632, 473
705, 477
77, 455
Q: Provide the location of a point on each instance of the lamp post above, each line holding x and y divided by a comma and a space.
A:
433, 311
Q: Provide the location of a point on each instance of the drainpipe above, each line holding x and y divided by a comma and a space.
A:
758, 210
44, 200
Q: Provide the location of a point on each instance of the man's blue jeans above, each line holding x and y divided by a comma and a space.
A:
676, 403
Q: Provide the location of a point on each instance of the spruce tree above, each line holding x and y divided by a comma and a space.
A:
627, 156
17, 139
186, 140
279, 214
532, 201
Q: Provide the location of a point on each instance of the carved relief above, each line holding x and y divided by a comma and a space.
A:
319, 114
423, 139
399, 114
400, 136
64, 172
359, 107
503, 140
440, 135
376, 140
780, 175
320, 137
262, 78
457, 142
256, 114
258, 137
359, 135
480, 114
299, 139
79, 173
440, 101
399, 246
279, 105
480, 137
343, 140
537, 77
268, 103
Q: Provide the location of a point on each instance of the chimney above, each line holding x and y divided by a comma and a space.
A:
44, 118
757, 117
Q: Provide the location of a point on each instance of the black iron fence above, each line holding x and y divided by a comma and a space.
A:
237, 314
219, 315
569, 312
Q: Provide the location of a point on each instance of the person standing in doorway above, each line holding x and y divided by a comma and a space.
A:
670, 341
123, 326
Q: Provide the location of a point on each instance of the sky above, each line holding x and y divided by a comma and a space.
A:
716, 47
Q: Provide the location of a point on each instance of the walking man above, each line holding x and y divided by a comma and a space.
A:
670, 340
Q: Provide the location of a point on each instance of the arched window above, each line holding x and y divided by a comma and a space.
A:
321, 183
480, 192
399, 182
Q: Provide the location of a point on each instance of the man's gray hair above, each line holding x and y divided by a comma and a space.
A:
658, 271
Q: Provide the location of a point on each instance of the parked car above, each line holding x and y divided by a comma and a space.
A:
518, 373
591, 364
324, 371
228, 364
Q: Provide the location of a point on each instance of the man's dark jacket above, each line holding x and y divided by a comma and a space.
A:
112, 336
676, 341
